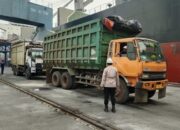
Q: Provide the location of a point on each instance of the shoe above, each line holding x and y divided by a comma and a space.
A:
106, 109
113, 109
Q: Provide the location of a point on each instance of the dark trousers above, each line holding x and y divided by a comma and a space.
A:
2, 68
109, 92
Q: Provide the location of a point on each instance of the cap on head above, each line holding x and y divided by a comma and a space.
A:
109, 61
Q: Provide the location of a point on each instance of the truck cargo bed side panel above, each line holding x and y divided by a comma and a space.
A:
17, 54
81, 47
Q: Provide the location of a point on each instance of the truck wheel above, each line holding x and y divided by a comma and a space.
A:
16, 72
151, 93
56, 78
66, 81
28, 73
122, 93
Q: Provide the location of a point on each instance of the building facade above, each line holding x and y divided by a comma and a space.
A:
16, 31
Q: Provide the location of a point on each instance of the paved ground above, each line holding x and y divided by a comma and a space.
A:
161, 114
19, 111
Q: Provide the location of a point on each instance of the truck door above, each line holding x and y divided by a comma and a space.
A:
126, 60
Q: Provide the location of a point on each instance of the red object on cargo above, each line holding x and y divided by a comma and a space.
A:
108, 24
172, 55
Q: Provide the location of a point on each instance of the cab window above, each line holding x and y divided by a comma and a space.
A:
131, 51
123, 50
128, 50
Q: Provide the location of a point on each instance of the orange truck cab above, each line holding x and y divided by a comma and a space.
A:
141, 67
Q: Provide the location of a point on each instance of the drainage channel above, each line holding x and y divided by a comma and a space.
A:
75, 113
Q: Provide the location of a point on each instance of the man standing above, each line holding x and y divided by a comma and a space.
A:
2, 65
110, 81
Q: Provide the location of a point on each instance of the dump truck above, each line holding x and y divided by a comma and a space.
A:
26, 58
77, 55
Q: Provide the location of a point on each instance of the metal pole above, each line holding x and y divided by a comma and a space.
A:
5, 53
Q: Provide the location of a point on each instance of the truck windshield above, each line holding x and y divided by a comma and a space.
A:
37, 54
150, 50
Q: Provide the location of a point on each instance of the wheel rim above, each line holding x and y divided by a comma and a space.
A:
56, 79
66, 80
122, 93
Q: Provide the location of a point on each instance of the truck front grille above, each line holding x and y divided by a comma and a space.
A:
154, 76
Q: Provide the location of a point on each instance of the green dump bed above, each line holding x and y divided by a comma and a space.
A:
81, 47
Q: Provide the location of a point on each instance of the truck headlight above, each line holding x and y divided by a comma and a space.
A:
145, 76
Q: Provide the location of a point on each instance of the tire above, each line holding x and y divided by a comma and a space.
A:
151, 93
16, 72
56, 79
66, 81
28, 73
122, 93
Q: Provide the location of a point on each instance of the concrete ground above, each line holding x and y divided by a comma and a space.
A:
19, 111
161, 114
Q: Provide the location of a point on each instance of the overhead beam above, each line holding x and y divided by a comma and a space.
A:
25, 12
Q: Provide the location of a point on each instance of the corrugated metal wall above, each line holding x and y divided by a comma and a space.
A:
172, 54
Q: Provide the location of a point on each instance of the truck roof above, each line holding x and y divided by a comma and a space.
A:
27, 44
131, 39
23, 41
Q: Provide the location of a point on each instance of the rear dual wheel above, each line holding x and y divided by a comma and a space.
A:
65, 80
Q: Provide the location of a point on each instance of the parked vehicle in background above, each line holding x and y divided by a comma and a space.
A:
27, 58
77, 55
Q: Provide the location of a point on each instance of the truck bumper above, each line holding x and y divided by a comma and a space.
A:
152, 85
142, 88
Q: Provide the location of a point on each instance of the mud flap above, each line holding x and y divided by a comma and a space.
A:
141, 95
162, 93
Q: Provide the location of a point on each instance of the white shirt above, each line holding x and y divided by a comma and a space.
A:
110, 77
